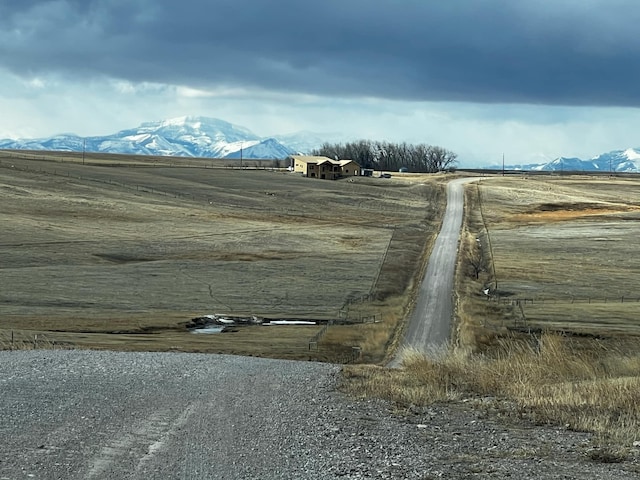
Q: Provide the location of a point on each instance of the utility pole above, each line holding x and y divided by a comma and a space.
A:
241, 144
503, 164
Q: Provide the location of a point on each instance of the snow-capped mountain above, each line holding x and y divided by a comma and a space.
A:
619, 160
622, 161
268, 148
183, 136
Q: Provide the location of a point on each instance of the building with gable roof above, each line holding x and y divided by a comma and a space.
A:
324, 167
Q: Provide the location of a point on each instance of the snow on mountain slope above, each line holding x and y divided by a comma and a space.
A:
619, 160
192, 136
182, 136
622, 161
632, 154
261, 149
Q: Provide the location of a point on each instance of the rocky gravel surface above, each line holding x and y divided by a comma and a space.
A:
106, 415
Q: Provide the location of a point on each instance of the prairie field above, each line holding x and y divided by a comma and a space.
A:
113, 252
564, 251
117, 253
548, 327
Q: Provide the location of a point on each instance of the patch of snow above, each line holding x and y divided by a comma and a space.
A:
631, 154
141, 137
208, 330
289, 322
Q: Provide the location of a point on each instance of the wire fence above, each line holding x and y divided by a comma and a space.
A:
488, 236
520, 318
346, 317
562, 300
22, 340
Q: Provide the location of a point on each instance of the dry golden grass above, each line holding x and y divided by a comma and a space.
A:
548, 380
567, 247
567, 244
376, 337
108, 254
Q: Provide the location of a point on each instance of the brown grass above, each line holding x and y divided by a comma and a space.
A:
548, 379
122, 252
567, 247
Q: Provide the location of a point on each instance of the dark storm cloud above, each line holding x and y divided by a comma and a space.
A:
573, 52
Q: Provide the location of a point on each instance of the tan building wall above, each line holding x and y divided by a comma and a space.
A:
323, 167
349, 168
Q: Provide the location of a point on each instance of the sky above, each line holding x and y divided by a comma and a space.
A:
528, 79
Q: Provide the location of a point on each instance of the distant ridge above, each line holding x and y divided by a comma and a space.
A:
621, 161
181, 136
197, 136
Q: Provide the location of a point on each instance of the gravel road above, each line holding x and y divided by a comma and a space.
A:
429, 326
109, 415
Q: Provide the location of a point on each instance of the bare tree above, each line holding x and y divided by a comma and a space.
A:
391, 156
477, 262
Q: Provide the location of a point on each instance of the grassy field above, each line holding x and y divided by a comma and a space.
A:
120, 253
547, 311
564, 248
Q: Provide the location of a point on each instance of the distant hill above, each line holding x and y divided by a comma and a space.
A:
182, 137
214, 138
622, 161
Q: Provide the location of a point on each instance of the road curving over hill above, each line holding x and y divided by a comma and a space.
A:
429, 326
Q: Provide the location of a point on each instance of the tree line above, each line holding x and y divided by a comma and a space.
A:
391, 156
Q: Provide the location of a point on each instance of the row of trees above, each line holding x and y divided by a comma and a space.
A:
391, 156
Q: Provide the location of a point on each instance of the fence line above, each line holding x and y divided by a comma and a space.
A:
355, 354
519, 320
569, 300
313, 341
374, 284
20, 340
486, 229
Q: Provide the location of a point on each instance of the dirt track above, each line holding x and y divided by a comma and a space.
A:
430, 324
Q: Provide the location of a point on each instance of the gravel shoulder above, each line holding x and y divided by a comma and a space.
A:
107, 415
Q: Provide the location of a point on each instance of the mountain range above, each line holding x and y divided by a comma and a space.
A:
181, 137
214, 138
621, 161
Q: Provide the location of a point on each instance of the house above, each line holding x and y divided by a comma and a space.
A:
324, 167
349, 168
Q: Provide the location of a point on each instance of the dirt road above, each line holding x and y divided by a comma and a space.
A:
429, 327
105, 415
115, 415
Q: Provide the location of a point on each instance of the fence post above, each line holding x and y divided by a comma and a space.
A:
355, 353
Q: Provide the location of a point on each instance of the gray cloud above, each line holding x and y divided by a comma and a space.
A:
569, 52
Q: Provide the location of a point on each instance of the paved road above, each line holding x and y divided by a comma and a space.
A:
429, 326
